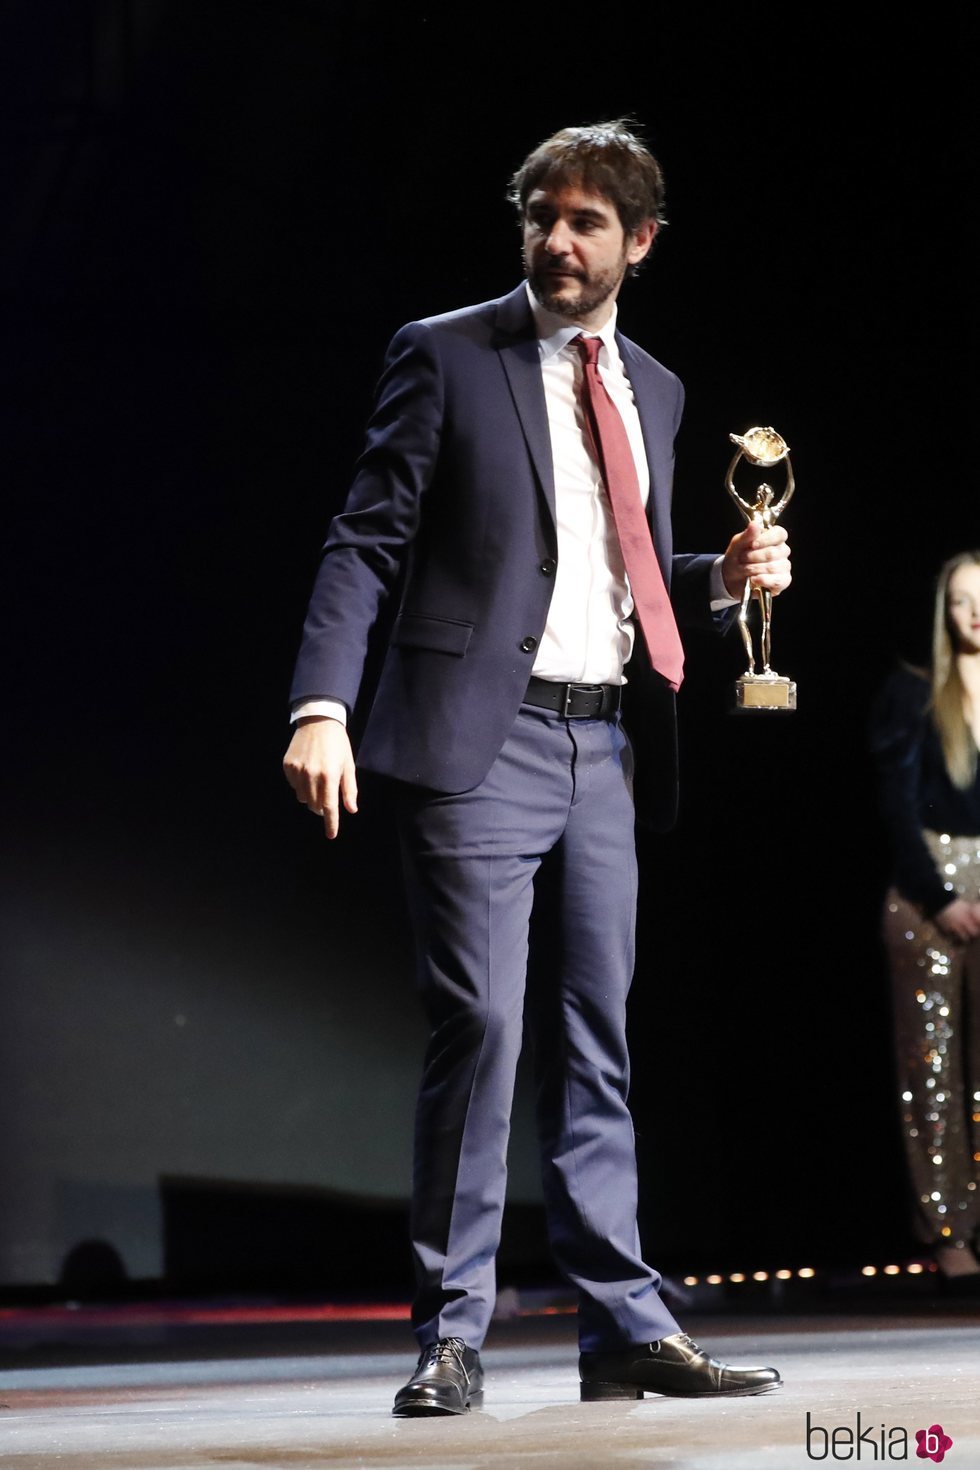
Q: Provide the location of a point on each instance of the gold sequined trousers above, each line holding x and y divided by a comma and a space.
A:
936, 1013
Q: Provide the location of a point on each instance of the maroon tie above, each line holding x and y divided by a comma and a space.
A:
615, 459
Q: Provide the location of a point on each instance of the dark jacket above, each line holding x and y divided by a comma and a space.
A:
453, 502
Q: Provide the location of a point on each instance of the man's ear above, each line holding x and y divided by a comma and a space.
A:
641, 241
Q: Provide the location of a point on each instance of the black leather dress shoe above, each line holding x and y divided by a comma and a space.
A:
448, 1380
675, 1366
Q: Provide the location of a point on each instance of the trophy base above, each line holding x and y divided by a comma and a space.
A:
765, 692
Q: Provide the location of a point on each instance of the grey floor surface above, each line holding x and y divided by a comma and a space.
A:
174, 1403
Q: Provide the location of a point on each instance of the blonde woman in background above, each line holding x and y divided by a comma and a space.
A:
925, 735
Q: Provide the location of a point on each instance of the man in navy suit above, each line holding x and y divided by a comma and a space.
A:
498, 717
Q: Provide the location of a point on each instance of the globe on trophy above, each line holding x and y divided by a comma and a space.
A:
760, 687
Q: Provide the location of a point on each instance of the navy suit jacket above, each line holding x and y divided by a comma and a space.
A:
453, 503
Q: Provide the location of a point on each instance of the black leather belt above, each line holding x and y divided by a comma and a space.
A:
575, 701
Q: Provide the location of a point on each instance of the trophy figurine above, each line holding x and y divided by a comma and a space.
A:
761, 687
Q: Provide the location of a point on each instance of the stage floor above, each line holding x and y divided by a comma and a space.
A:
316, 1395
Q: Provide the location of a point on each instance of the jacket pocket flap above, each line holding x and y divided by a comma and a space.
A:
442, 635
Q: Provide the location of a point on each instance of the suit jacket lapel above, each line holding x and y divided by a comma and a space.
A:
517, 343
656, 433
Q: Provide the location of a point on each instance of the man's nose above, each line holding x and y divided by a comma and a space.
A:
559, 238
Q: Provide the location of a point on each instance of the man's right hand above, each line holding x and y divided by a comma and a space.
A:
319, 766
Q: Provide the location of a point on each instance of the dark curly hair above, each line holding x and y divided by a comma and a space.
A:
607, 158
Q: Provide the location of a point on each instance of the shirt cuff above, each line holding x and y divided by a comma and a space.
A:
719, 592
331, 709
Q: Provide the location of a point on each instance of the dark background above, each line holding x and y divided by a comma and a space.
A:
217, 215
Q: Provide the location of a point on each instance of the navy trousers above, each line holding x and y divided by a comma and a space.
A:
557, 805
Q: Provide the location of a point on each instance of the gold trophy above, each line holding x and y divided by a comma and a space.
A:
763, 688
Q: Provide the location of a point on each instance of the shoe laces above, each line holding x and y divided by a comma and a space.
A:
445, 1351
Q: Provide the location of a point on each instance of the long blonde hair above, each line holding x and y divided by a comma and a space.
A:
949, 695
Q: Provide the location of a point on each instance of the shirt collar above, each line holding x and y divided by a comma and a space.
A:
555, 332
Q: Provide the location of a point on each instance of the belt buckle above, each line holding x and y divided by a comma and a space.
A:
573, 689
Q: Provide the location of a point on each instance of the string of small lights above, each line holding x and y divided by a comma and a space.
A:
806, 1273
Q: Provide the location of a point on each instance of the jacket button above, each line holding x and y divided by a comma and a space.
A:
528, 645
547, 567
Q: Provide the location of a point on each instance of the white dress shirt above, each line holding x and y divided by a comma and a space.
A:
588, 637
